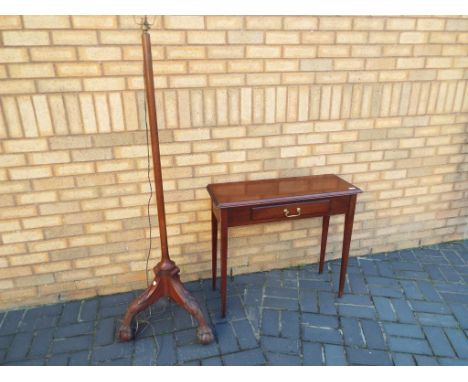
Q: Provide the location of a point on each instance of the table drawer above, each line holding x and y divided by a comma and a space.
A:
291, 210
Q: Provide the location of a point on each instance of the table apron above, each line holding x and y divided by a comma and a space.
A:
256, 214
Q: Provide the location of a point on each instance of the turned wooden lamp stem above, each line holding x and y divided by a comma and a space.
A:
166, 281
153, 122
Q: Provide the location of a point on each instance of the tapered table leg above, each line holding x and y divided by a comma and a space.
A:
348, 230
224, 249
214, 248
323, 245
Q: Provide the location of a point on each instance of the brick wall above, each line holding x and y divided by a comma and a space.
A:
381, 101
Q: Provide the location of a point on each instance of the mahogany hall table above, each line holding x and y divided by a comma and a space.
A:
261, 201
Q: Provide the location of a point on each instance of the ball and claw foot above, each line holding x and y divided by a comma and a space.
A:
205, 335
125, 333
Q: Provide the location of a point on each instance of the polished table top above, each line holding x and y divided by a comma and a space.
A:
266, 191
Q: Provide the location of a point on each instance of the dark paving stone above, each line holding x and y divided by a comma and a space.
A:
453, 362
358, 284
10, 322
411, 289
20, 346
455, 297
145, 352
251, 357
73, 330
58, 360
438, 341
166, 352
281, 292
116, 299
428, 290
226, 337
185, 337
422, 360
327, 303
245, 334
357, 311
290, 324
276, 359
271, 322
308, 302
41, 343
383, 282
80, 358
312, 354
89, 310
319, 320
28, 362
256, 278
368, 357
385, 309
195, 351
459, 342
451, 287
436, 320
352, 332
368, 267
409, 345
70, 313
280, 303
324, 335
373, 334
5, 341
350, 299
214, 361
403, 311
36, 319
314, 285
111, 352
253, 295
112, 311
403, 359
430, 307
334, 355
280, 345
105, 332
403, 330
71, 344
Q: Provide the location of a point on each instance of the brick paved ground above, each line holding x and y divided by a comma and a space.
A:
407, 307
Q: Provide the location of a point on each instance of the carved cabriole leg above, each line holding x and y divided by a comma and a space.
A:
183, 297
152, 293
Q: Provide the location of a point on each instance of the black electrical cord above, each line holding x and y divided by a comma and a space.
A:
147, 318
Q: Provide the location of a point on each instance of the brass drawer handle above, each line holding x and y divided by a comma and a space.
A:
286, 213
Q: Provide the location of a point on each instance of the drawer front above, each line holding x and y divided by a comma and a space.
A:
291, 210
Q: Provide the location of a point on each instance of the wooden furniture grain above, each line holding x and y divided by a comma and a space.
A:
262, 201
166, 281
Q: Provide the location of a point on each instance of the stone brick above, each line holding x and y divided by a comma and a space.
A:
224, 22
73, 37
25, 38
206, 37
46, 22
98, 22
184, 22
